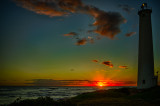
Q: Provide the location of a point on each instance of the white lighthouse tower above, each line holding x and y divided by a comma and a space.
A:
146, 77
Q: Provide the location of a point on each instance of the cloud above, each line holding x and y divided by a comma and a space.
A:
43, 7
95, 61
71, 34
45, 82
126, 8
125, 67
51, 82
128, 82
130, 34
122, 83
107, 23
70, 5
125, 82
82, 41
108, 63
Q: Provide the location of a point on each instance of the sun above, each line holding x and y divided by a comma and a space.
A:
100, 84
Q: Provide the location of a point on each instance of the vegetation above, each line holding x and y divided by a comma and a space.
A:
112, 97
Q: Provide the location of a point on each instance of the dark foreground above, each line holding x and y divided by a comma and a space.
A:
111, 97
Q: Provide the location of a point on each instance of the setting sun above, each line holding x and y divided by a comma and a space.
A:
100, 84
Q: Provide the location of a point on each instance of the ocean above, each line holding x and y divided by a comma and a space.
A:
10, 94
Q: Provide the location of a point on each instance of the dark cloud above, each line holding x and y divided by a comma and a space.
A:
95, 61
126, 82
130, 34
45, 82
82, 41
125, 67
126, 8
107, 23
129, 82
51, 82
108, 63
122, 83
71, 34
70, 5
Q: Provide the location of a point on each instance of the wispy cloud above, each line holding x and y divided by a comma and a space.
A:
107, 23
45, 82
108, 63
95, 61
51, 82
82, 41
121, 83
71, 34
125, 67
126, 8
130, 34
43, 7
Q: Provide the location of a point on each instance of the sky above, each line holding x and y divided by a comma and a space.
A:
72, 42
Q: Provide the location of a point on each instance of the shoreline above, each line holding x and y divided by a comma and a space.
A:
10, 94
112, 97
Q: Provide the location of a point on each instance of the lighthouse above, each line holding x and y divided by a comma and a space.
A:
146, 77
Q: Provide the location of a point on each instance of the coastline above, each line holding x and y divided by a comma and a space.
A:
112, 97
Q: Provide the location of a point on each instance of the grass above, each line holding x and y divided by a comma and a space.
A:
111, 97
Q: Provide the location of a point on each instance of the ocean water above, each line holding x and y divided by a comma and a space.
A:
9, 94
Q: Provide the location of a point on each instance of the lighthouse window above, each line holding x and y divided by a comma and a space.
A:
143, 81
